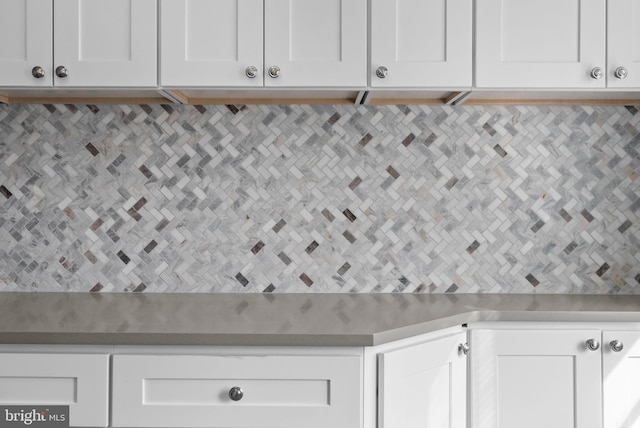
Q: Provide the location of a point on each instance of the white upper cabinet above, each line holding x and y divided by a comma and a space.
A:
78, 43
211, 43
623, 69
540, 44
315, 43
25, 48
418, 43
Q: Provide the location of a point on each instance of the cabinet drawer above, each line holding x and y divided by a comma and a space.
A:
80, 381
278, 391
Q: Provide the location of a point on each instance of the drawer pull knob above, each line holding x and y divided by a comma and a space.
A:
236, 393
621, 73
593, 344
37, 72
616, 346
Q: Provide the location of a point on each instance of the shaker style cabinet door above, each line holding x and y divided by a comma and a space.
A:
315, 43
211, 43
105, 43
535, 378
80, 381
540, 44
25, 47
418, 43
621, 374
623, 52
423, 385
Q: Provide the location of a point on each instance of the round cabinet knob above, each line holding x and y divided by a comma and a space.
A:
62, 71
616, 345
621, 73
382, 72
236, 393
37, 72
251, 72
274, 71
593, 345
464, 348
597, 73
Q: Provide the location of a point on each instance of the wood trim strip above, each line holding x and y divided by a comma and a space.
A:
586, 101
237, 101
382, 101
4, 99
86, 100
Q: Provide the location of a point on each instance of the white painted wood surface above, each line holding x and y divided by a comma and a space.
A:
422, 43
424, 385
80, 381
621, 374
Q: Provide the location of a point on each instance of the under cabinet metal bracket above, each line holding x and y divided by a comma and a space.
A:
362, 98
457, 98
173, 97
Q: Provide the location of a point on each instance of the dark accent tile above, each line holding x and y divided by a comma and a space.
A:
96, 224
268, 118
256, 248
233, 109
140, 288
122, 256
474, 246
92, 149
304, 278
167, 108
140, 204
587, 215
150, 246
5, 192
365, 140
328, 215
348, 236
93, 108
146, 108
430, 139
333, 119
408, 140
392, 172
637, 278
72, 108
311, 248
96, 288
279, 225
145, 171
129, 117
163, 223
489, 129
536, 227
452, 289
69, 213
532, 279
91, 257
133, 213
241, 279
112, 234
50, 107
201, 109
631, 109
355, 183
569, 248
420, 289
565, 215
285, 259
183, 161
452, 182
498, 148
349, 215
344, 268
624, 226
270, 288
601, 271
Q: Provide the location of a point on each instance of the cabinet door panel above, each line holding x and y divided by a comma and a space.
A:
106, 42
624, 42
424, 385
27, 28
211, 43
535, 378
539, 44
421, 43
621, 372
316, 43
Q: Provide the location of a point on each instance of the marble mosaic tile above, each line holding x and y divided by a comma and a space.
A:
426, 199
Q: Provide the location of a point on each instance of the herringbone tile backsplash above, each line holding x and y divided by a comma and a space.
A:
425, 199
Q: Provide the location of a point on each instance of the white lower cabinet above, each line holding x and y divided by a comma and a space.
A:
80, 381
621, 376
229, 391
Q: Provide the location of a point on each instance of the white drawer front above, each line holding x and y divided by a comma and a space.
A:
278, 391
80, 381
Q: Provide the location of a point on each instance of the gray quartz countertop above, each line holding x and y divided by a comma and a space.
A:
280, 319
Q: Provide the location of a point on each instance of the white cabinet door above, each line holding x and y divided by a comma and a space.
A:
106, 42
316, 43
421, 43
535, 378
211, 43
623, 43
540, 44
80, 381
277, 391
423, 385
621, 370
27, 28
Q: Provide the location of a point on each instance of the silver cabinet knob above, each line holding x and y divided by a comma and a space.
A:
251, 72
464, 348
597, 73
274, 71
621, 73
382, 71
236, 393
37, 72
616, 345
593, 345
62, 71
